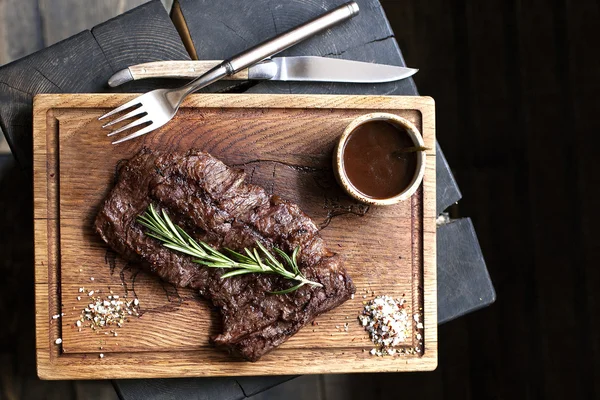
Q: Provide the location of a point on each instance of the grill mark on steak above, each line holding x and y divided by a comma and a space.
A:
215, 204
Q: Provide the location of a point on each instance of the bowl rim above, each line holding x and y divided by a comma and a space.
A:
415, 136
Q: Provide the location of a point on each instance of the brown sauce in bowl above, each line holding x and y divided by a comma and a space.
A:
374, 160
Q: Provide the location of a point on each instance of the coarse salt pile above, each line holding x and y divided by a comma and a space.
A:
388, 324
111, 311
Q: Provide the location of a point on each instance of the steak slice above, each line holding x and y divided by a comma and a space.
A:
213, 203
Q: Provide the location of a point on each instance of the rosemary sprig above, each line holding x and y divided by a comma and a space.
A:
259, 261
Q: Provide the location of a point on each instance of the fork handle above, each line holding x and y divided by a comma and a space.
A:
272, 46
289, 38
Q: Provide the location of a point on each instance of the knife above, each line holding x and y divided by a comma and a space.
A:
301, 68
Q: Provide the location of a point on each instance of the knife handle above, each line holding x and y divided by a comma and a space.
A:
179, 69
289, 38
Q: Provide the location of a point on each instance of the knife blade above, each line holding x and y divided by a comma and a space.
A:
301, 68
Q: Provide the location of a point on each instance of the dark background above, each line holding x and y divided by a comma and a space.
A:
515, 84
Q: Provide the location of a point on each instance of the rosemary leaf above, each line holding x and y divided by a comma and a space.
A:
240, 257
285, 257
267, 254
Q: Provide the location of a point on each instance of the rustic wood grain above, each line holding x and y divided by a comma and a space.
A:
64, 18
280, 134
157, 41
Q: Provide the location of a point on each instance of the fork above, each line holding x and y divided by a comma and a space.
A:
159, 106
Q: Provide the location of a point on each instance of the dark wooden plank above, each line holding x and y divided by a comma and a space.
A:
20, 30
252, 385
447, 193
29, 25
64, 18
48, 71
141, 35
303, 387
222, 29
462, 283
185, 388
217, 32
14, 106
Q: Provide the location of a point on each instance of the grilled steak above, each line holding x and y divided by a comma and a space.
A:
213, 203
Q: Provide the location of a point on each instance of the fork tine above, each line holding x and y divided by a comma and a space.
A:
141, 132
131, 114
122, 107
130, 125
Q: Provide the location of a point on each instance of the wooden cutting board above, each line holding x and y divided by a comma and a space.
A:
285, 144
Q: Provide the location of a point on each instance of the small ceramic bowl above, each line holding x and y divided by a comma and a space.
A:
338, 159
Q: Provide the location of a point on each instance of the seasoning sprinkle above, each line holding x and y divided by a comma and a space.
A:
101, 312
388, 324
